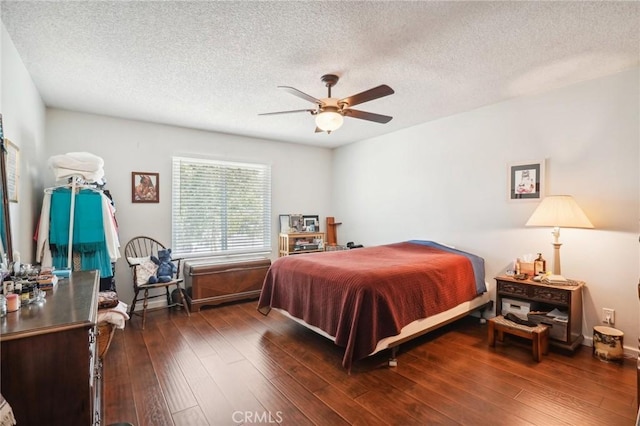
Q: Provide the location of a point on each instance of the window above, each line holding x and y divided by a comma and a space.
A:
220, 207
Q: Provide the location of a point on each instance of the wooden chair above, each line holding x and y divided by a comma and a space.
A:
142, 247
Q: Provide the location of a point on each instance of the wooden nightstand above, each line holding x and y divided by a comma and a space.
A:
567, 298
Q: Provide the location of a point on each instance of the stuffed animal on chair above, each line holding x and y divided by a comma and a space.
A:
166, 268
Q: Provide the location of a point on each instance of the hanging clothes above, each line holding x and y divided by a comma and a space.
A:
43, 250
59, 220
93, 242
94, 236
88, 230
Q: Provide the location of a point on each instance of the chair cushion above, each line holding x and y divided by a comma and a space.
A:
144, 270
137, 260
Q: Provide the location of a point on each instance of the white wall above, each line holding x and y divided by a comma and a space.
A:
299, 173
447, 181
23, 118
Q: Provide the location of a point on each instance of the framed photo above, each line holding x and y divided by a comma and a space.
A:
310, 223
526, 180
284, 223
145, 187
295, 223
13, 170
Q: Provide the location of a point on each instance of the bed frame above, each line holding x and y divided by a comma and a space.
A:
419, 327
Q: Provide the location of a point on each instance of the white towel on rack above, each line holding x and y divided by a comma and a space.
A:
85, 164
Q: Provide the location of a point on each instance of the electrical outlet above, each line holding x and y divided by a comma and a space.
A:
608, 316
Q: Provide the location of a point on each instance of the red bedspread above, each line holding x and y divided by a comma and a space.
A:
363, 295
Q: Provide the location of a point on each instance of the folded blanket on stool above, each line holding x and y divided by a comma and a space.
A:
116, 315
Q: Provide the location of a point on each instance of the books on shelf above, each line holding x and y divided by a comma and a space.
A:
309, 246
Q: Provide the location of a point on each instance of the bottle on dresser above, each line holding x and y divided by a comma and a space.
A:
539, 265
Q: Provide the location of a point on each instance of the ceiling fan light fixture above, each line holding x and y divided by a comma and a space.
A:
329, 121
330, 111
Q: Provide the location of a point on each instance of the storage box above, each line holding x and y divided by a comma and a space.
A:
527, 268
210, 282
518, 307
557, 328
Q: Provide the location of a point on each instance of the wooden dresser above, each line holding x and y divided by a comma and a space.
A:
50, 371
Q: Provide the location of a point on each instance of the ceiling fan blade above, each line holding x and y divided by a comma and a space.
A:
300, 94
368, 95
318, 130
289, 112
363, 115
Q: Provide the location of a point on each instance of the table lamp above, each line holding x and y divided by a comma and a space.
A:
558, 211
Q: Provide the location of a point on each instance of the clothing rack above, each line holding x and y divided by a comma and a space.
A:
75, 186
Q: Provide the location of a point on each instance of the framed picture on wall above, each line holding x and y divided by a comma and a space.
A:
145, 187
526, 180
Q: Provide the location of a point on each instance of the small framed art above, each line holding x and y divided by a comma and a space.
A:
310, 223
145, 187
295, 223
526, 180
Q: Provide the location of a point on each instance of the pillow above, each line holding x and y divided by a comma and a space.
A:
137, 260
144, 270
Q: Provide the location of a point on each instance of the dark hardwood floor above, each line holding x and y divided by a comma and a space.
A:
230, 365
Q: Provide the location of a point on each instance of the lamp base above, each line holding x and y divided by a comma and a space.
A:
556, 258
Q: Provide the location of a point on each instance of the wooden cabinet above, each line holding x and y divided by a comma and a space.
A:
547, 297
213, 283
50, 371
301, 242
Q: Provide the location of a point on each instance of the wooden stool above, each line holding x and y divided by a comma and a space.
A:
539, 335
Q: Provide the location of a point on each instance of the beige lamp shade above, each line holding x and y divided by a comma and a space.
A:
559, 211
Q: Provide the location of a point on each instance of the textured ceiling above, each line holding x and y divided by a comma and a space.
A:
215, 65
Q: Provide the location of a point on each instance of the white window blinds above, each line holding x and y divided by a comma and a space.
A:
220, 207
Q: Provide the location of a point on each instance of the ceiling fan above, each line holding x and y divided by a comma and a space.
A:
330, 112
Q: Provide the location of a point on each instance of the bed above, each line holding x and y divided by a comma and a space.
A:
370, 299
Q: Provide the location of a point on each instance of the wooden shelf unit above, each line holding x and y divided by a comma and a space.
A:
287, 242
